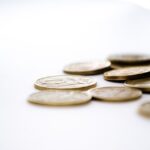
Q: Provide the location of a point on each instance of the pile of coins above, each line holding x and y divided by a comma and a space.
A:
77, 88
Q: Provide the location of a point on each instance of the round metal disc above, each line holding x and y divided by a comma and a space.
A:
59, 98
65, 82
144, 109
143, 84
87, 68
119, 66
128, 73
116, 94
130, 59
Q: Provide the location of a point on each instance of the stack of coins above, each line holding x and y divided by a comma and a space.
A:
76, 88
62, 90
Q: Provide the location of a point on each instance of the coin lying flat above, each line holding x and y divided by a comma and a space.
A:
143, 84
87, 68
144, 109
129, 59
59, 97
128, 73
66, 82
115, 94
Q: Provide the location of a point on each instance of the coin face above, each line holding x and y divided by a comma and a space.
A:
65, 82
59, 98
87, 68
128, 73
129, 59
115, 94
144, 109
143, 84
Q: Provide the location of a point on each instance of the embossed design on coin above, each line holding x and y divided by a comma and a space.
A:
128, 73
115, 94
144, 109
59, 97
129, 59
87, 68
65, 82
143, 84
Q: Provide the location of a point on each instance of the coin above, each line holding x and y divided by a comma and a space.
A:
144, 109
127, 73
59, 97
116, 94
118, 66
129, 58
143, 84
65, 82
87, 68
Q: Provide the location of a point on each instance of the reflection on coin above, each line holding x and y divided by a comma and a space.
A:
87, 68
115, 94
144, 109
66, 82
129, 59
143, 84
128, 73
59, 97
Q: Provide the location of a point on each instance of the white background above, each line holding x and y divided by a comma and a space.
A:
37, 39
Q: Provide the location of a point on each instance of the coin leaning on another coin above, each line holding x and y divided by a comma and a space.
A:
115, 94
59, 97
119, 66
87, 68
65, 82
143, 84
127, 73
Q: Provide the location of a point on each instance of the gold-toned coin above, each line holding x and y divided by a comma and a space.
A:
127, 73
144, 110
65, 82
143, 84
87, 68
116, 94
119, 66
59, 97
129, 58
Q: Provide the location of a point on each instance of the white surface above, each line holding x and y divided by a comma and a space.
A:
143, 3
38, 40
